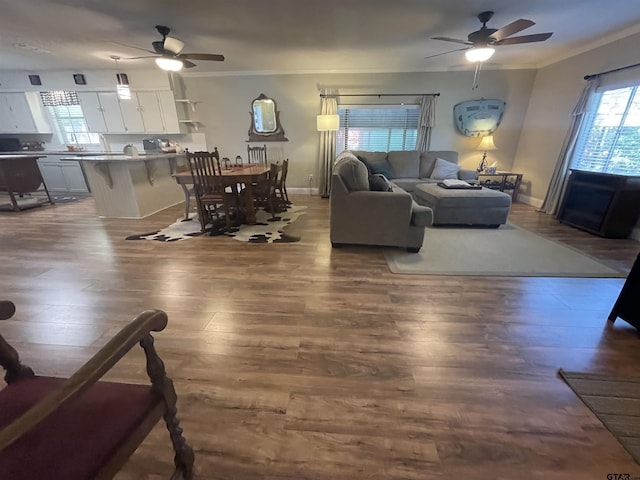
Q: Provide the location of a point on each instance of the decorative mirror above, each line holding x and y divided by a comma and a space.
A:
478, 118
265, 121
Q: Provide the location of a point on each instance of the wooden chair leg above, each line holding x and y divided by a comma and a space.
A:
184, 456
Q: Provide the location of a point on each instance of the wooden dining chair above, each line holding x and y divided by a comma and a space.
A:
281, 186
82, 427
265, 192
257, 154
210, 189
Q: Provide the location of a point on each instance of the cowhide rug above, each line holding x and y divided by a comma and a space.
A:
266, 229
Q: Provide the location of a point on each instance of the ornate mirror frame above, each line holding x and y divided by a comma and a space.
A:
272, 135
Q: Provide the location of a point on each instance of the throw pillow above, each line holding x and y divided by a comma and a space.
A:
378, 183
383, 168
444, 170
366, 163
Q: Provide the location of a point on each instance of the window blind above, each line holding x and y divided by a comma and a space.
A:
378, 128
609, 141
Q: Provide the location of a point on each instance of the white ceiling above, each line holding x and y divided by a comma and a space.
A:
296, 36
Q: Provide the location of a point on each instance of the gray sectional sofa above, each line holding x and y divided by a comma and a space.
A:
365, 217
410, 167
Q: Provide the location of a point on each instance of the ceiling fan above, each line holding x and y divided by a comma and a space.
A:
481, 42
168, 52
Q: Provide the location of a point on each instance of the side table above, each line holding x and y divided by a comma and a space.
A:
504, 181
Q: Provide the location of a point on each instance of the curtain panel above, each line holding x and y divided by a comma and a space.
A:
426, 123
327, 150
558, 183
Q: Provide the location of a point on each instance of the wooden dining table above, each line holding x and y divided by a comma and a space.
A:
246, 174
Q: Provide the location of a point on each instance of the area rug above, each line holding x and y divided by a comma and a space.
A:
505, 251
266, 229
615, 401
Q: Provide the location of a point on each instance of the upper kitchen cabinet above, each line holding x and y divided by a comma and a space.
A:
145, 112
22, 113
101, 111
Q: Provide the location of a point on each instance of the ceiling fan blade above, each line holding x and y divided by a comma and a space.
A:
188, 64
202, 56
444, 53
455, 40
513, 27
536, 37
138, 58
131, 46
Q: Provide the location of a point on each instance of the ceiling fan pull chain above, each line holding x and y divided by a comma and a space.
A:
476, 76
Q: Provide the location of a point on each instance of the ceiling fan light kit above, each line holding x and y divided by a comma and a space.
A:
479, 54
169, 64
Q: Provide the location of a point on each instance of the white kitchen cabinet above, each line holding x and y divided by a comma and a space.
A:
149, 108
61, 176
92, 111
101, 111
145, 112
169, 111
113, 117
15, 114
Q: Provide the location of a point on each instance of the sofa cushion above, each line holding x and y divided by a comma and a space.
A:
372, 157
379, 183
353, 174
444, 170
409, 184
428, 160
405, 164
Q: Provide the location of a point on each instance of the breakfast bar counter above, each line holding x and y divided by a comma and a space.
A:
126, 186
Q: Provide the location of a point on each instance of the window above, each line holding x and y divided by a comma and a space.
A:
379, 128
609, 141
67, 118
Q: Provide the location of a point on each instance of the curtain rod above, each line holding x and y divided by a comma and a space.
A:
329, 95
593, 75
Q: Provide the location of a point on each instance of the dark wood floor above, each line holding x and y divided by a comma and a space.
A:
296, 361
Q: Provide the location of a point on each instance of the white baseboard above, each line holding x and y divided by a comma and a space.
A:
304, 190
534, 202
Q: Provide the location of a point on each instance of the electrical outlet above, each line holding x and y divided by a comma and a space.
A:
310, 177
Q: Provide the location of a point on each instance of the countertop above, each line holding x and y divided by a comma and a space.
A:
123, 158
4, 156
57, 152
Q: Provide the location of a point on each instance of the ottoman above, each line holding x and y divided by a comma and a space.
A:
464, 206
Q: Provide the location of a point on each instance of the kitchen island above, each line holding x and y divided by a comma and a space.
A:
125, 186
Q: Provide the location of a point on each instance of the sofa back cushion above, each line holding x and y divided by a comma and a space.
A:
353, 173
372, 157
428, 160
405, 163
376, 162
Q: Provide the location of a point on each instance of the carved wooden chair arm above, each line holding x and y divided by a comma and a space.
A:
137, 331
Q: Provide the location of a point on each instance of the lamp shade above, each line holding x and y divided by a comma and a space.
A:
327, 123
479, 54
487, 144
170, 64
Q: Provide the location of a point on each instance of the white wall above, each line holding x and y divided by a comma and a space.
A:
224, 103
555, 93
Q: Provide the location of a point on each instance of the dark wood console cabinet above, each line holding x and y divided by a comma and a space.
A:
601, 203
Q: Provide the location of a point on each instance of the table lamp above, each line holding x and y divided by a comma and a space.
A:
485, 145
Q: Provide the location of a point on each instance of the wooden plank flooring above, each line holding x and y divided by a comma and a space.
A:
296, 361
